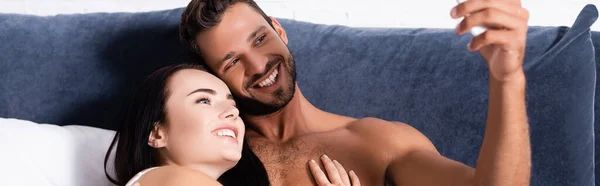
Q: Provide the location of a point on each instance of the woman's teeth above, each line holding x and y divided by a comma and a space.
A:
269, 81
226, 132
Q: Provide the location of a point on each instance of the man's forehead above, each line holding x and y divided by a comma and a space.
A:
239, 18
237, 23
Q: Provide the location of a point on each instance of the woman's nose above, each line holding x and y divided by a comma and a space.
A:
230, 112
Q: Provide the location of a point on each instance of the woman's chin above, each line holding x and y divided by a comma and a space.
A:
232, 156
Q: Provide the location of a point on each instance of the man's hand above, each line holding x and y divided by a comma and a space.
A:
505, 155
503, 44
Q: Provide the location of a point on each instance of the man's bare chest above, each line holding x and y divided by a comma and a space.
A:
287, 163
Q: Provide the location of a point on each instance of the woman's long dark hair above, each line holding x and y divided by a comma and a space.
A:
133, 154
248, 171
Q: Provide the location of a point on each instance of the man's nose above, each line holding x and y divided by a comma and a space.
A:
255, 64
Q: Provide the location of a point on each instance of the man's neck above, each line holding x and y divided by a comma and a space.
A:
295, 119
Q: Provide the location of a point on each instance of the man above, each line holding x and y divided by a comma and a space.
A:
248, 50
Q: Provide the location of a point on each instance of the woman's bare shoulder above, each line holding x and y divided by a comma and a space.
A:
176, 175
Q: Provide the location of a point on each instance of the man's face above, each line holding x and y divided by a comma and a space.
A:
252, 58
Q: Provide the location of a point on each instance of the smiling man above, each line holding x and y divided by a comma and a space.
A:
248, 50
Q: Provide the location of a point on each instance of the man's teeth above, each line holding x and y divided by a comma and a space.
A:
269, 81
226, 132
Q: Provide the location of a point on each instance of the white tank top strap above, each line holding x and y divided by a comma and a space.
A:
138, 175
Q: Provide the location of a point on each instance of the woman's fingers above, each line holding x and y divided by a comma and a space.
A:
342, 172
332, 171
335, 173
318, 174
354, 178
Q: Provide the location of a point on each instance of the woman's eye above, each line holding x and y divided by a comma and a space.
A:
203, 101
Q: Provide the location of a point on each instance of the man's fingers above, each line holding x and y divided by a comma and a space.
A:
472, 6
490, 18
354, 178
332, 172
490, 37
342, 172
317, 173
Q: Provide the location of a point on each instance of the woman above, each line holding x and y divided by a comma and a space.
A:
183, 128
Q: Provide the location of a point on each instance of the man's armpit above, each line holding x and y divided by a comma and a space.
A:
396, 138
425, 168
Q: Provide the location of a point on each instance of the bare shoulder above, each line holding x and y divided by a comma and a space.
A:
379, 127
371, 124
175, 175
397, 136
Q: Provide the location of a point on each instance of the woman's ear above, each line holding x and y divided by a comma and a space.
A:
158, 136
279, 29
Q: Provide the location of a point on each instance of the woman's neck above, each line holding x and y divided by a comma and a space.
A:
213, 170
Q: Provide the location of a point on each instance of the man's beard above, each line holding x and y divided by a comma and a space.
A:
282, 96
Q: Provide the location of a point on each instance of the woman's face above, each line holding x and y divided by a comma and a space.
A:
203, 124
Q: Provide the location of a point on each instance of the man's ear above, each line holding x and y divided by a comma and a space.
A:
279, 29
158, 136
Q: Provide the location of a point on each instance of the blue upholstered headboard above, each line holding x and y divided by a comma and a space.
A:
82, 69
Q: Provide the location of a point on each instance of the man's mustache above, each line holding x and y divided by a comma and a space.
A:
270, 64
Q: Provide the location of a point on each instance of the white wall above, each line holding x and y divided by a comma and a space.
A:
362, 13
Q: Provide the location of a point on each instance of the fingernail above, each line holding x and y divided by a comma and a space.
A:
453, 12
471, 48
325, 156
313, 161
352, 172
335, 161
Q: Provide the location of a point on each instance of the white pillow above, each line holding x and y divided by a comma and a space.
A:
44, 154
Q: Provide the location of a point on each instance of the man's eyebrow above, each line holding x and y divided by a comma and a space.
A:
206, 90
229, 96
253, 34
250, 37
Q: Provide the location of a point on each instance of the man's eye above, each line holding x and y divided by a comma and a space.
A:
203, 101
232, 63
260, 40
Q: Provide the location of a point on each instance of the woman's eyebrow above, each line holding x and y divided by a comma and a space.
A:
206, 90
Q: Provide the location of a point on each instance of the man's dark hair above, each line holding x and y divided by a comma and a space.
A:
201, 15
